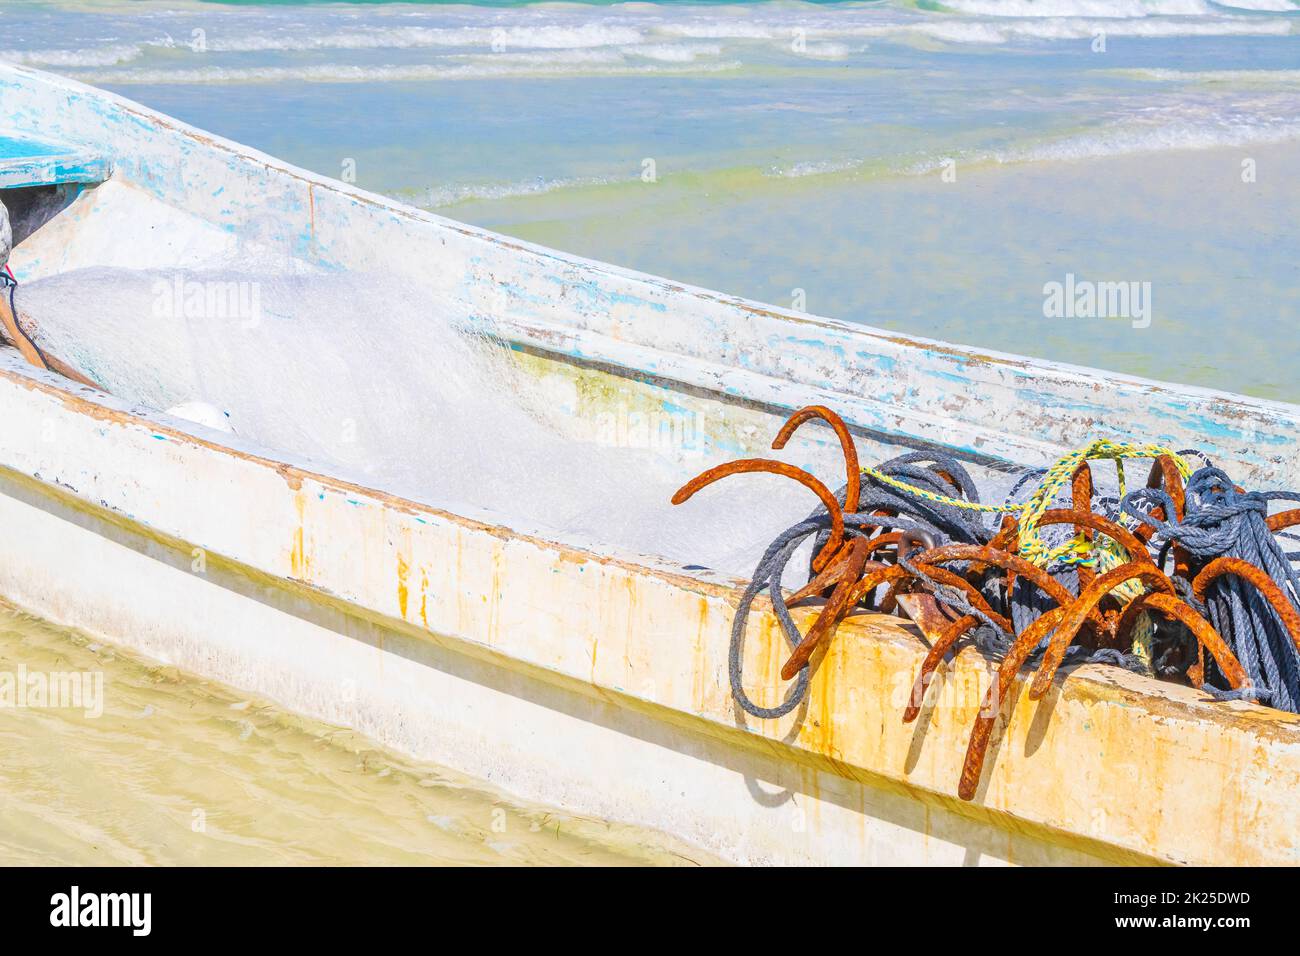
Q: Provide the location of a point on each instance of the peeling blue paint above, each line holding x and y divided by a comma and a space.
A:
29, 162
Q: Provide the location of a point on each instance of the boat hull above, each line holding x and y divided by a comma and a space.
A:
563, 671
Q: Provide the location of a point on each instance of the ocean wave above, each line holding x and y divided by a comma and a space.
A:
805, 169
282, 44
530, 37
74, 59
499, 39
1072, 28
1107, 9
982, 31
672, 52
1123, 138
668, 35
440, 197
1117, 9
1132, 139
1127, 138
488, 67
1268, 6
826, 51
1235, 77
727, 29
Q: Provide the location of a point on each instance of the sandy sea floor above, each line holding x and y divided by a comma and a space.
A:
164, 768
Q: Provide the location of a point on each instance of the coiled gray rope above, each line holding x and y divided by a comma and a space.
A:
1223, 522
943, 523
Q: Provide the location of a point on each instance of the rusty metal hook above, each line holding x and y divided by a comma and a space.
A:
747, 465
853, 489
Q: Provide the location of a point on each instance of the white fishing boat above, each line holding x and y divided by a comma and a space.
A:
569, 671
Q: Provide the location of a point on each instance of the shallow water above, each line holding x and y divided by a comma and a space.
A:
162, 768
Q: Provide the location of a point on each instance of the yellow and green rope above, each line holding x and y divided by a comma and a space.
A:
1079, 550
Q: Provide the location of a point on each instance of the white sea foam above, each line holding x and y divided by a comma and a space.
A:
1269, 6
1235, 77
486, 67
989, 31
826, 167
826, 51
276, 45
540, 36
89, 57
574, 36
442, 196
1173, 126
706, 29
1129, 139
575, 52
1117, 9
673, 52
1078, 28
1075, 29
1124, 9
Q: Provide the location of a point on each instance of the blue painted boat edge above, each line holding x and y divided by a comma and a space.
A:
27, 161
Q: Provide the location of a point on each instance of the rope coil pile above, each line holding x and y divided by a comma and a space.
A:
1150, 580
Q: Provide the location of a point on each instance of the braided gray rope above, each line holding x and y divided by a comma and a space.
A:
943, 523
1223, 522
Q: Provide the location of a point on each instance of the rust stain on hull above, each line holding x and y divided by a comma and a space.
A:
403, 585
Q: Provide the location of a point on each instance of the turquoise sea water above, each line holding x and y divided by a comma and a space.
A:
920, 167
